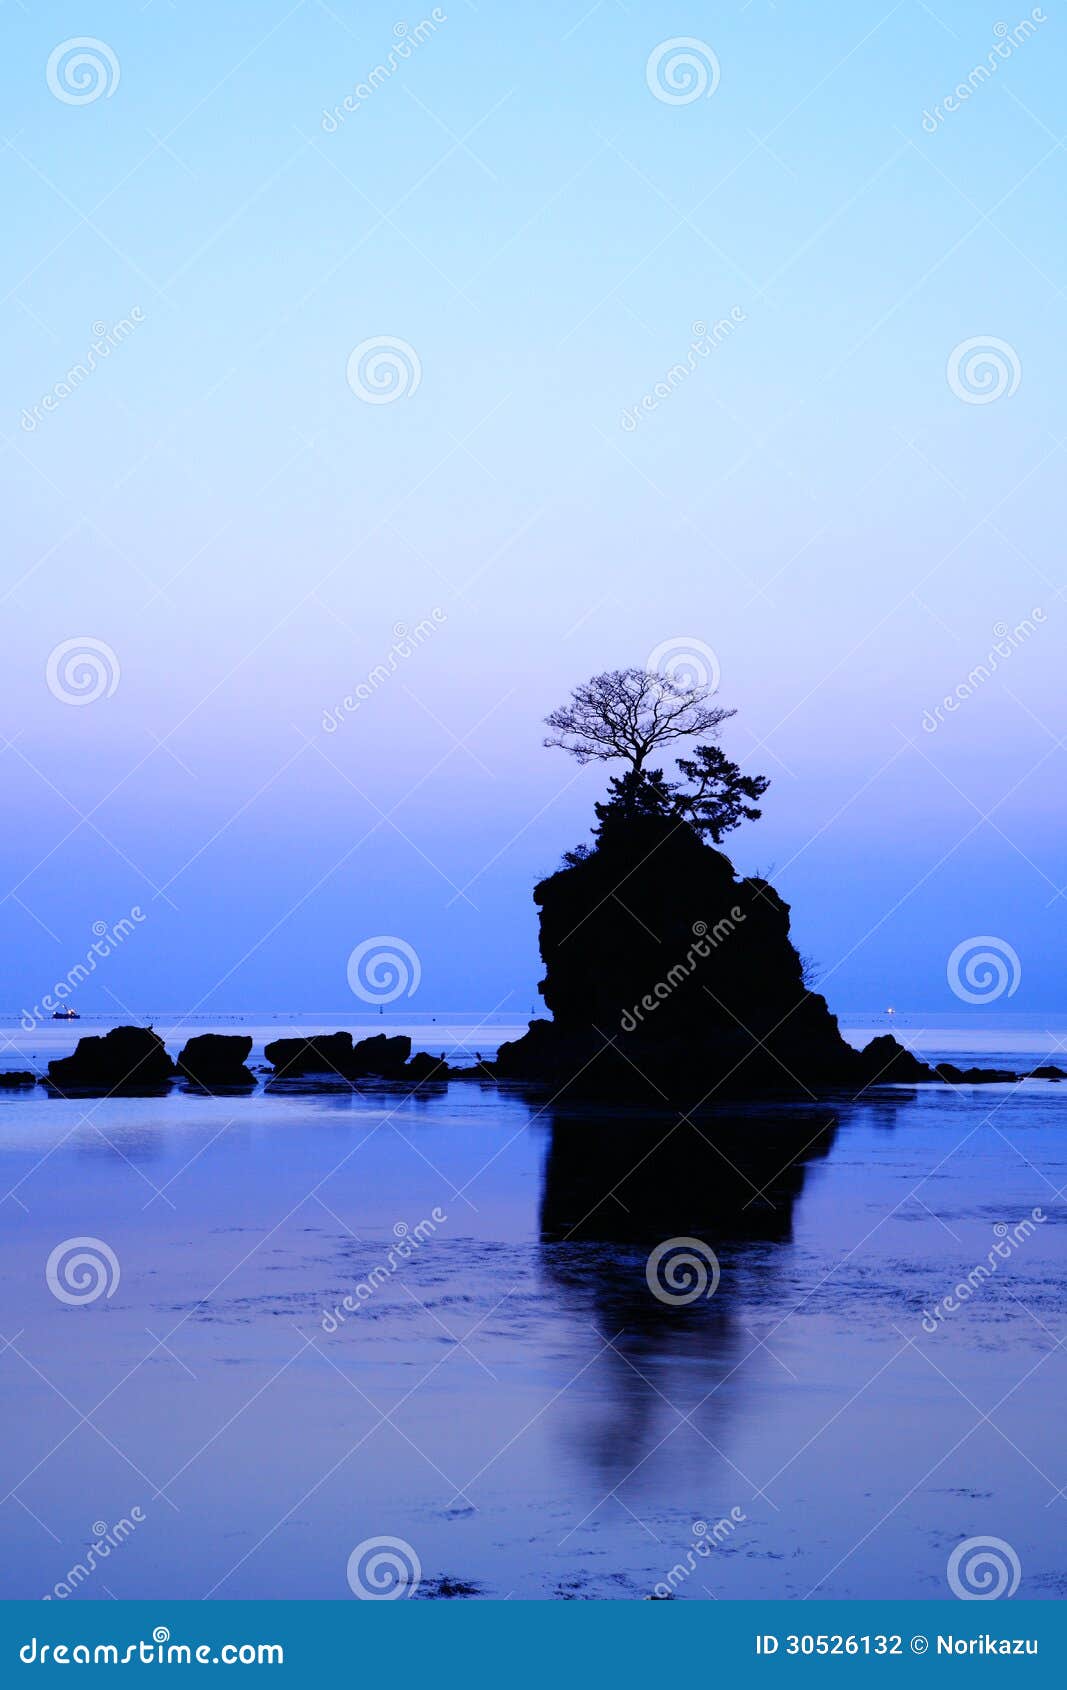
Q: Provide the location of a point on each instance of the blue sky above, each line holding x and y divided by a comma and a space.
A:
815, 502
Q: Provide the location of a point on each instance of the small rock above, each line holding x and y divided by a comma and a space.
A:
217, 1060
128, 1059
382, 1056
326, 1053
423, 1066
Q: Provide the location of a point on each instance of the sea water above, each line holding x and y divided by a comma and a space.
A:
324, 1319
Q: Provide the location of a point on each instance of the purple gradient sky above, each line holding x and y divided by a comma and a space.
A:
814, 502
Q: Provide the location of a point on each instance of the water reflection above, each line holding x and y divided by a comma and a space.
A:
643, 1179
615, 1188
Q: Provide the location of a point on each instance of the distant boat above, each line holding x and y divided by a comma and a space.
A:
65, 1015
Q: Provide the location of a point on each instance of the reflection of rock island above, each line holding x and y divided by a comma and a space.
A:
614, 1189
640, 1180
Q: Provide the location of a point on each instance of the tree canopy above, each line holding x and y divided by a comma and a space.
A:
629, 714
626, 715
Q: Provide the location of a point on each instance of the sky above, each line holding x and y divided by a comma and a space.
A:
835, 505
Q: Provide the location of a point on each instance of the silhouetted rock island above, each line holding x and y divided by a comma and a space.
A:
669, 977
666, 973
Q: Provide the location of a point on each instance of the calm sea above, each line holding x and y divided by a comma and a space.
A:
506, 1396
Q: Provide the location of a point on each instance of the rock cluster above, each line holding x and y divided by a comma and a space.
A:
133, 1060
381, 1057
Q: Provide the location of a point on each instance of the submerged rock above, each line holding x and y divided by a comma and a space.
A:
972, 1076
447, 1589
217, 1060
127, 1059
16, 1077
